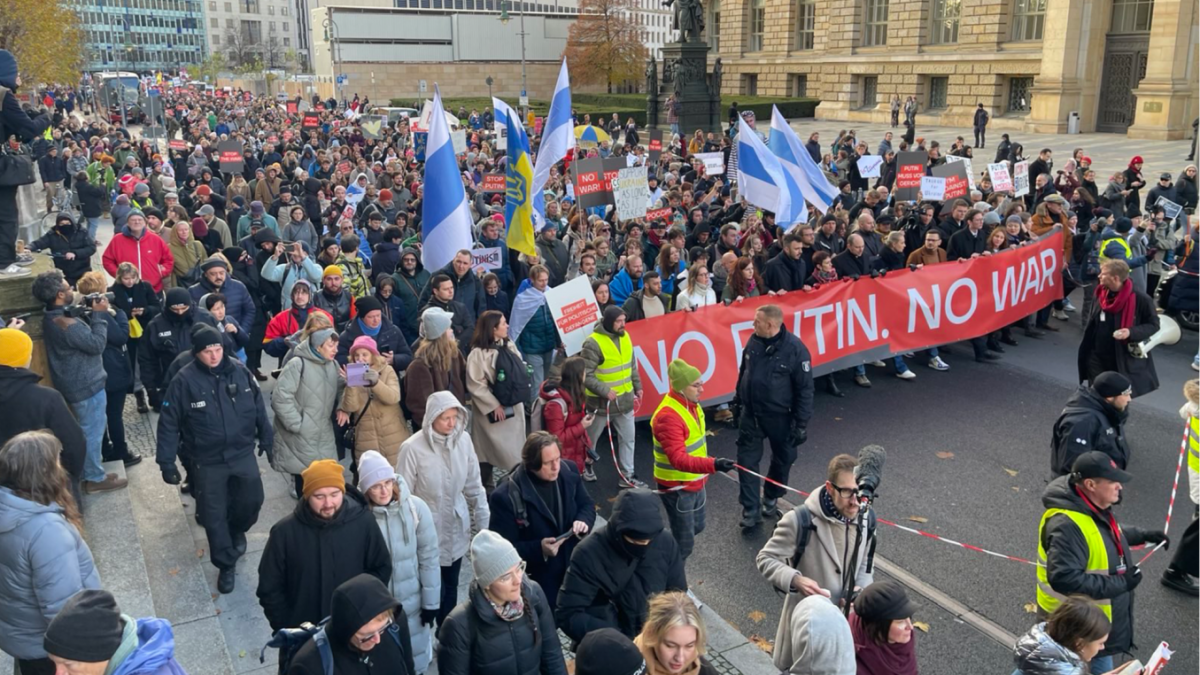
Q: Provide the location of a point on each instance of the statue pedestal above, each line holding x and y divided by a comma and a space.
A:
698, 109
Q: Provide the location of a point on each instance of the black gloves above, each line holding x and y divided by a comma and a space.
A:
1157, 537
1133, 577
799, 435
171, 475
268, 451
429, 616
722, 464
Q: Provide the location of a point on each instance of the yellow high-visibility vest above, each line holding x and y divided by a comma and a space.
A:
1047, 598
1194, 444
696, 441
616, 370
1124, 244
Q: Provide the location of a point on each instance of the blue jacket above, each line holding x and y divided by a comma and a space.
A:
238, 302
621, 287
1115, 251
155, 651
393, 309
538, 337
389, 338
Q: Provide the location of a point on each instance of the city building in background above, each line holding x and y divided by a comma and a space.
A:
141, 35
246, 30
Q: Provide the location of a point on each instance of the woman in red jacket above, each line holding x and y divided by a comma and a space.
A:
563, 415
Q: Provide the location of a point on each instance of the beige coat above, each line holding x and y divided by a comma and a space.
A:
496, 443
383, 427
822, 561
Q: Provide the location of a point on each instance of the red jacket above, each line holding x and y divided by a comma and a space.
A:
672, 432
285, 323
572, 437
149, 254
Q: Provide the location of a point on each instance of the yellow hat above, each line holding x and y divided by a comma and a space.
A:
331, 271
323, 473
15, 348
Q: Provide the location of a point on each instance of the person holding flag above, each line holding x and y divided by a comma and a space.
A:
445, 216
519, 174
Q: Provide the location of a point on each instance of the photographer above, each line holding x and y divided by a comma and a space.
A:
75, 340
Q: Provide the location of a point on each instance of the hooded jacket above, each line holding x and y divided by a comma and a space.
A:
474, 639
594, 357
1036, 653
149, 253
45, 562
1088, 422
409, 287
166, 336
303, 401
67, 238
610, 580
29, 406
1067, 556
444, 471
820, 639
307, 557
355, 603
286, 273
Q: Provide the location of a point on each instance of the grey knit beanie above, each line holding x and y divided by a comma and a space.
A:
373, 468
434, 322
492, 556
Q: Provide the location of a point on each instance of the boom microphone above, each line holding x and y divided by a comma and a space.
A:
869, 472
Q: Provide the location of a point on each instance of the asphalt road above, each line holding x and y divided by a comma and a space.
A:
996, 420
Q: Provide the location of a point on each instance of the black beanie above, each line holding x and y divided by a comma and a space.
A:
203, 337
177, 296
367, 304
611, 314
608, 652
1123, 225
87, 629
1111, 383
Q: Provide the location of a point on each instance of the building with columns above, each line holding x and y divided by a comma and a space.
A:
1125, 66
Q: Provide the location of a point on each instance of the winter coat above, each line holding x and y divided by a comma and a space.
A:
539, 335
74, 352
409, 288
68, 239
421, 381
199, 412
609, 581
1087, 423
388, 339
496, 443
1139, 371
776, 382
781, 273
1185, 292
340, 306
354, 604
825, 556
1067, 555
166, 336
307, 557
238, 302
468, 291
117, 368
964, 244
1185, 189
382, 426
148, 253
698, 296
45, 562
1036, 653
542, 521
92, 199
593, 358
187, 257
286, 273
303, 401
561, 418
444, 471
474, 639
302, 231
385, 260
821, 641
29, 406
1041, 225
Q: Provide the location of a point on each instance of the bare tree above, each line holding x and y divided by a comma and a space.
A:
243, 43
606, 37
273, 53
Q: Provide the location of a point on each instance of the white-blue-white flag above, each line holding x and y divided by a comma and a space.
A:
780, 145
445, 216
761, 178
558, 138
502, 111
799, 164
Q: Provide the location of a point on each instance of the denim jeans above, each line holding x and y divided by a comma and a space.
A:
92, 417
1101, 664
93, 228
622, 425
897, 361
541, 367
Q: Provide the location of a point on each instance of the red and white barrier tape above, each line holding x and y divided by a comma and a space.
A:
613, 447
1174, 492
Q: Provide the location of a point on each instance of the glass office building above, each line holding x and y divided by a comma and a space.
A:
141, 35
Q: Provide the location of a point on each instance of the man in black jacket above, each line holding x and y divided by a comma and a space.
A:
367, 633
53, 170
468, 289
786, 271
166, 336
1094, 419
969, 242
1042, 165
854, 261
215, 407
980, 124
388, 338
442, 297
330, 538
613, 573
955, 222
775, 394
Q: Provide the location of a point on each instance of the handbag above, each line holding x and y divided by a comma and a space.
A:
351, 434
16, 166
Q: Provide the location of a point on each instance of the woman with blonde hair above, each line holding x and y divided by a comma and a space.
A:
673, 637
42, 551
437, 365
188, 254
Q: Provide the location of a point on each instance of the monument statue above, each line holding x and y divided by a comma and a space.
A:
688, 19
651, 77
716, 78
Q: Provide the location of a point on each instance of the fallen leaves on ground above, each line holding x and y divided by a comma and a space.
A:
918, 519
199, 553
242, 654
837, 419
1011, 472
173, 571
1030, 608
1016, 489
945, 454
756, 616
921, 626
611, 500
762, 643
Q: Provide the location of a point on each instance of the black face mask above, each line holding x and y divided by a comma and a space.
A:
636, 551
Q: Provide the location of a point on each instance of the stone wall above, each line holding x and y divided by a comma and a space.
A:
456, 79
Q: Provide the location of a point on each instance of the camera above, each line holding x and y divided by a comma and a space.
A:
92, 298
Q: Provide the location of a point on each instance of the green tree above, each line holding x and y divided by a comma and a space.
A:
605, 38
46, 39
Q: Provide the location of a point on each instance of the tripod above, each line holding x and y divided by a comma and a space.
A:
848, 574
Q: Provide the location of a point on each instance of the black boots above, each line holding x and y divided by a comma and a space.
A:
225, 581
140, 395
1180, 581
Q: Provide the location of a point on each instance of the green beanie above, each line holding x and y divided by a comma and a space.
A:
682, 374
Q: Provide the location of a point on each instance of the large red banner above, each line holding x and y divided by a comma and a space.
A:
848, 323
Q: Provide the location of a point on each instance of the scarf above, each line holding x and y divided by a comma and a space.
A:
372, 332
1121, 304
876, 659
508, 611
830, 511
825, 277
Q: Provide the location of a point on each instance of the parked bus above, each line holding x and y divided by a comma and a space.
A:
116, 88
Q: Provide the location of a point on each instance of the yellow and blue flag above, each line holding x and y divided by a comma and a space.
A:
518, 204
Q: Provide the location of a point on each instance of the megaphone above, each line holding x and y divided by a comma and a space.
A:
1168, 334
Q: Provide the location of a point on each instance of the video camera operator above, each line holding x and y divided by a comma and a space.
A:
75, 336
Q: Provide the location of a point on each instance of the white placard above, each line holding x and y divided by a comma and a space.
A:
1001, 180
868, 166
970, 170
631, 192
458, 139
575, 311
1170, 208
714, 162
486, 259
1020, 179
933, 188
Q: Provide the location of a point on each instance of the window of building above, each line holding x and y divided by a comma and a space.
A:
1029, 18
216, 38
945, 21
287, 42
229, 7
229, 23
750, 84
806, 20
214, 22
938, 87
283, 11
758, 21
286, 27
212, 5
798, 85
870, 91
1020, 94
271, 10
1132, 16
250, 6
875, 30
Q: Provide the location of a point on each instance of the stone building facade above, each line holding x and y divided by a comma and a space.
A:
1126, 66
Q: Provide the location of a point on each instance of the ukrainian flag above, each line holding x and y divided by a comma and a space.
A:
518, 204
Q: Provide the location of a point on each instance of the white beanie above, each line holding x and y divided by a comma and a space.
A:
435, 321
373, 468
491, 557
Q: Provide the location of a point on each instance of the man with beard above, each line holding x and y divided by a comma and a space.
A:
215, 278
367, 632
298, 572
335, 299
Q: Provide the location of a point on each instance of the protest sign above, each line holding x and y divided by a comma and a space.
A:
575, 312
653, 146
494, 182
590, 187
910, 168
631, 192
292, 107
845, 325
950, 159
287, 135
933, 188
868, 166
486, 259
311, 120
714, 162
956, 180
345, 166
1020, 179
1001, 180
659, 214
420, 140
373, 126
177, 144
230, 156
458, 139
1170, 208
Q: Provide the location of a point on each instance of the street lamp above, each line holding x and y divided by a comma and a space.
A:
504, 20
121, 85
335, 51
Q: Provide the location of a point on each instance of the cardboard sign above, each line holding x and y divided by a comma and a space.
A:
910, 169
654, 146
955, 159
933, 188
590, 187
714, 162
494, 182
292, 107
230, 156
868, 166
1170, 208
486, 259
956, 180
345, 166
659, 214
458, 139
1020, 179
420, 141
1001, 180
311, 121
177, 144
631, 193
575, 312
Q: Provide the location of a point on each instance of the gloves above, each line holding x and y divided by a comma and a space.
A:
1133, 577
371, 377
799, 435
723, 464
171, 475
1157, 537
268, 451
429, 616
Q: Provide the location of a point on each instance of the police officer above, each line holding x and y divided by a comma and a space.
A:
681, 461
214, 406
1084, 551
1093, 419
775, 395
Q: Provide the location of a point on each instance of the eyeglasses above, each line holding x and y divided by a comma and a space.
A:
362, 640
508, 576
844, 493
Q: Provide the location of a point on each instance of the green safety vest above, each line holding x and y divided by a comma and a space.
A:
616, 370
1194, 444
696, 442
1124, 244
1047, 598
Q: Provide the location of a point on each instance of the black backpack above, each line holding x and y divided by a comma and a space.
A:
289, 641
805, 528
513, 384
